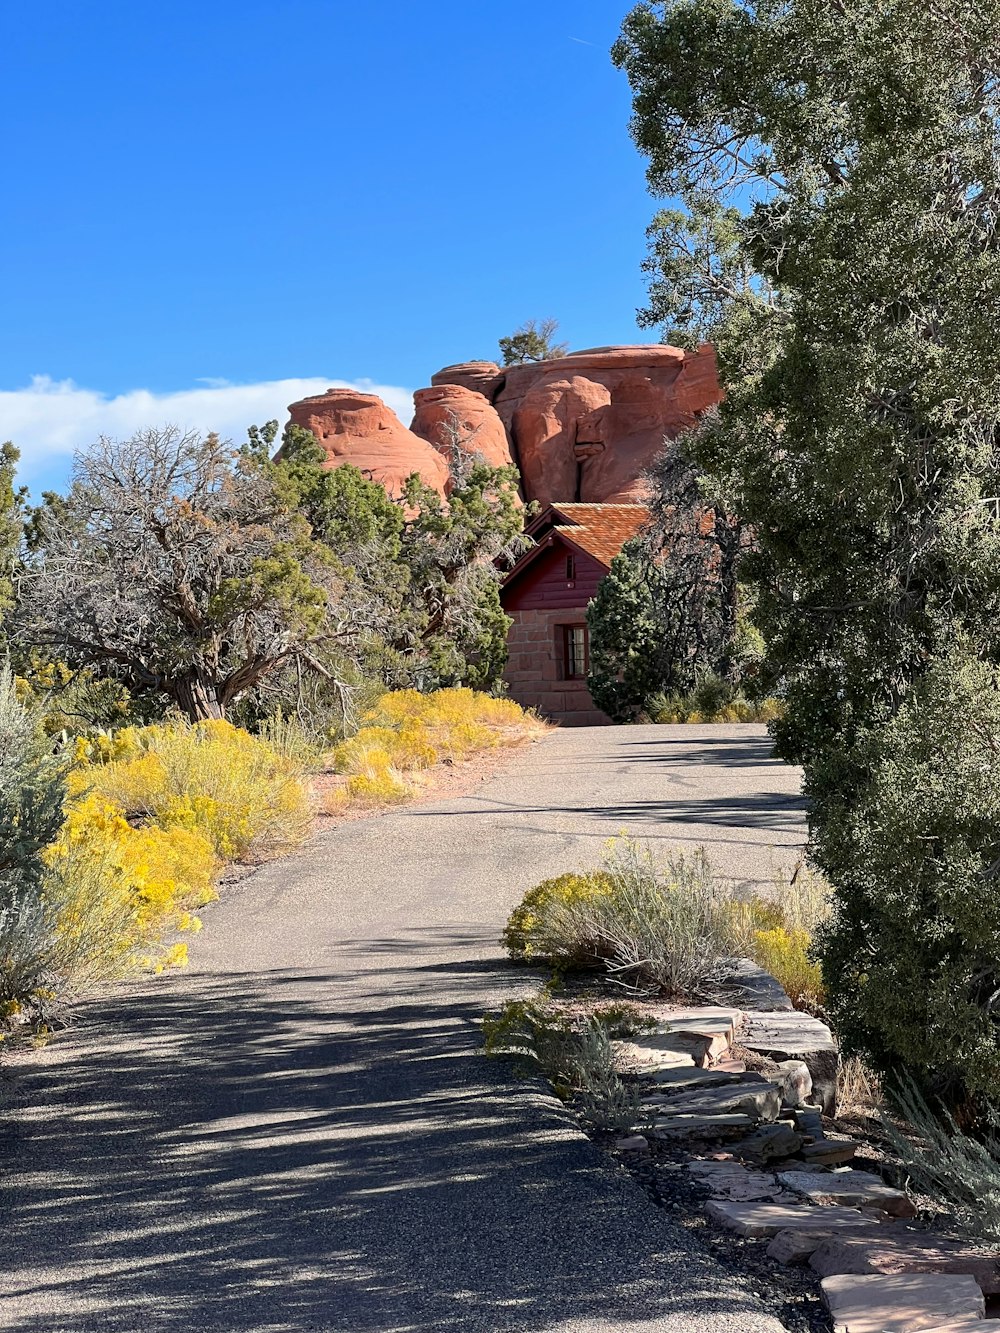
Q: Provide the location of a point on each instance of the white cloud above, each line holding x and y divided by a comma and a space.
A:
50, 419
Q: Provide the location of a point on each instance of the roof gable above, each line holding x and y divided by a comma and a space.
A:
599, 530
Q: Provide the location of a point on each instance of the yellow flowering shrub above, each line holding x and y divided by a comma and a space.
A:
784, 952
412, 747
407, 732
119, 888
213, 779
377, 786
445, 710
525, 935
371, 746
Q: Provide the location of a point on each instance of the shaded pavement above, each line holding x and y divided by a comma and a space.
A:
298, 1131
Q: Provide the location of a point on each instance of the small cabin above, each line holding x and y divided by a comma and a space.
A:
546, 595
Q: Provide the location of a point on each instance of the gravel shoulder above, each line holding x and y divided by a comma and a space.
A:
299, 1133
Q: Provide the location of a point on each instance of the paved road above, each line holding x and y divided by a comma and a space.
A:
297, 1133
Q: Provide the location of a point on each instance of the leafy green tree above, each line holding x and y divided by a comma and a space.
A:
421, 573
634, 650
911, 957
533, 341
840, 170
453, 551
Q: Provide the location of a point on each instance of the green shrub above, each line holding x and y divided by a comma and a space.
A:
576, 1057
32, 787
662, 927
911, 955
713, 700
527, 934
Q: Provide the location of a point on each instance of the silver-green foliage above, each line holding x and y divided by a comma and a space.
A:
577, 1058
961, 1174
32, 786
660, 926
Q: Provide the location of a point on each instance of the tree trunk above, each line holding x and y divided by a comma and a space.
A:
197, 697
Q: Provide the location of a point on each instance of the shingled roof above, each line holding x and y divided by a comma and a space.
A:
600, 530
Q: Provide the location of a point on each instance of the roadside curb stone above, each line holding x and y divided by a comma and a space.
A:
767, 1219
855, 1189
902, 1303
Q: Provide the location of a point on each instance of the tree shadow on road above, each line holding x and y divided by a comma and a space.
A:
304, 1150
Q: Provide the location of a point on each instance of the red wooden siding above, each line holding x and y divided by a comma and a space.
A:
544, 585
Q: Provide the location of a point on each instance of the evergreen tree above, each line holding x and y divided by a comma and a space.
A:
533, 341
839, 166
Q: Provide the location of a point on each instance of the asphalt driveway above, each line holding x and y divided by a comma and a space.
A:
298, 1133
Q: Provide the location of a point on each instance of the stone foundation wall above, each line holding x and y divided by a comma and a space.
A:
534, 672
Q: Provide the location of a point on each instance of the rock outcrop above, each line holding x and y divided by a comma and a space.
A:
581, 427
482, 376
586, 426
358, 428
451, 415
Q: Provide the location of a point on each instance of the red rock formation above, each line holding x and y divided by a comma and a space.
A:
358, 428
482, 376
583, 427
450, 414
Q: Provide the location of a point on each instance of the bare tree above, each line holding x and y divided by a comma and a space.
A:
174, 564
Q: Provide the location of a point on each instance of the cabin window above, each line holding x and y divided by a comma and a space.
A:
571, 568
575, 646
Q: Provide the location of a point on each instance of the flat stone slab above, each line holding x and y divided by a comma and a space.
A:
690, 1076
736, 1182
730, 1066
632, 1143
960, 1326
770, 1143
912, 1252
753, 1187
710, 1166
903, 1303
705, 1021
767, 1219
754, 1098
749, 986
794, 1246
856, 1189
705, 1126
829, 1151
663, 1051
798, 1036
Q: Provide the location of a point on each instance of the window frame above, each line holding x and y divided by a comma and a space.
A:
569, 651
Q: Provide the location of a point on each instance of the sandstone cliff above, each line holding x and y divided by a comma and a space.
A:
582, 427
358, 428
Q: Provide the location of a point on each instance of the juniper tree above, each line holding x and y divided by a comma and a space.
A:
669, 611
177, 565
532, 341
838, 166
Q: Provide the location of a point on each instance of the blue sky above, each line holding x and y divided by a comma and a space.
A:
204, 199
